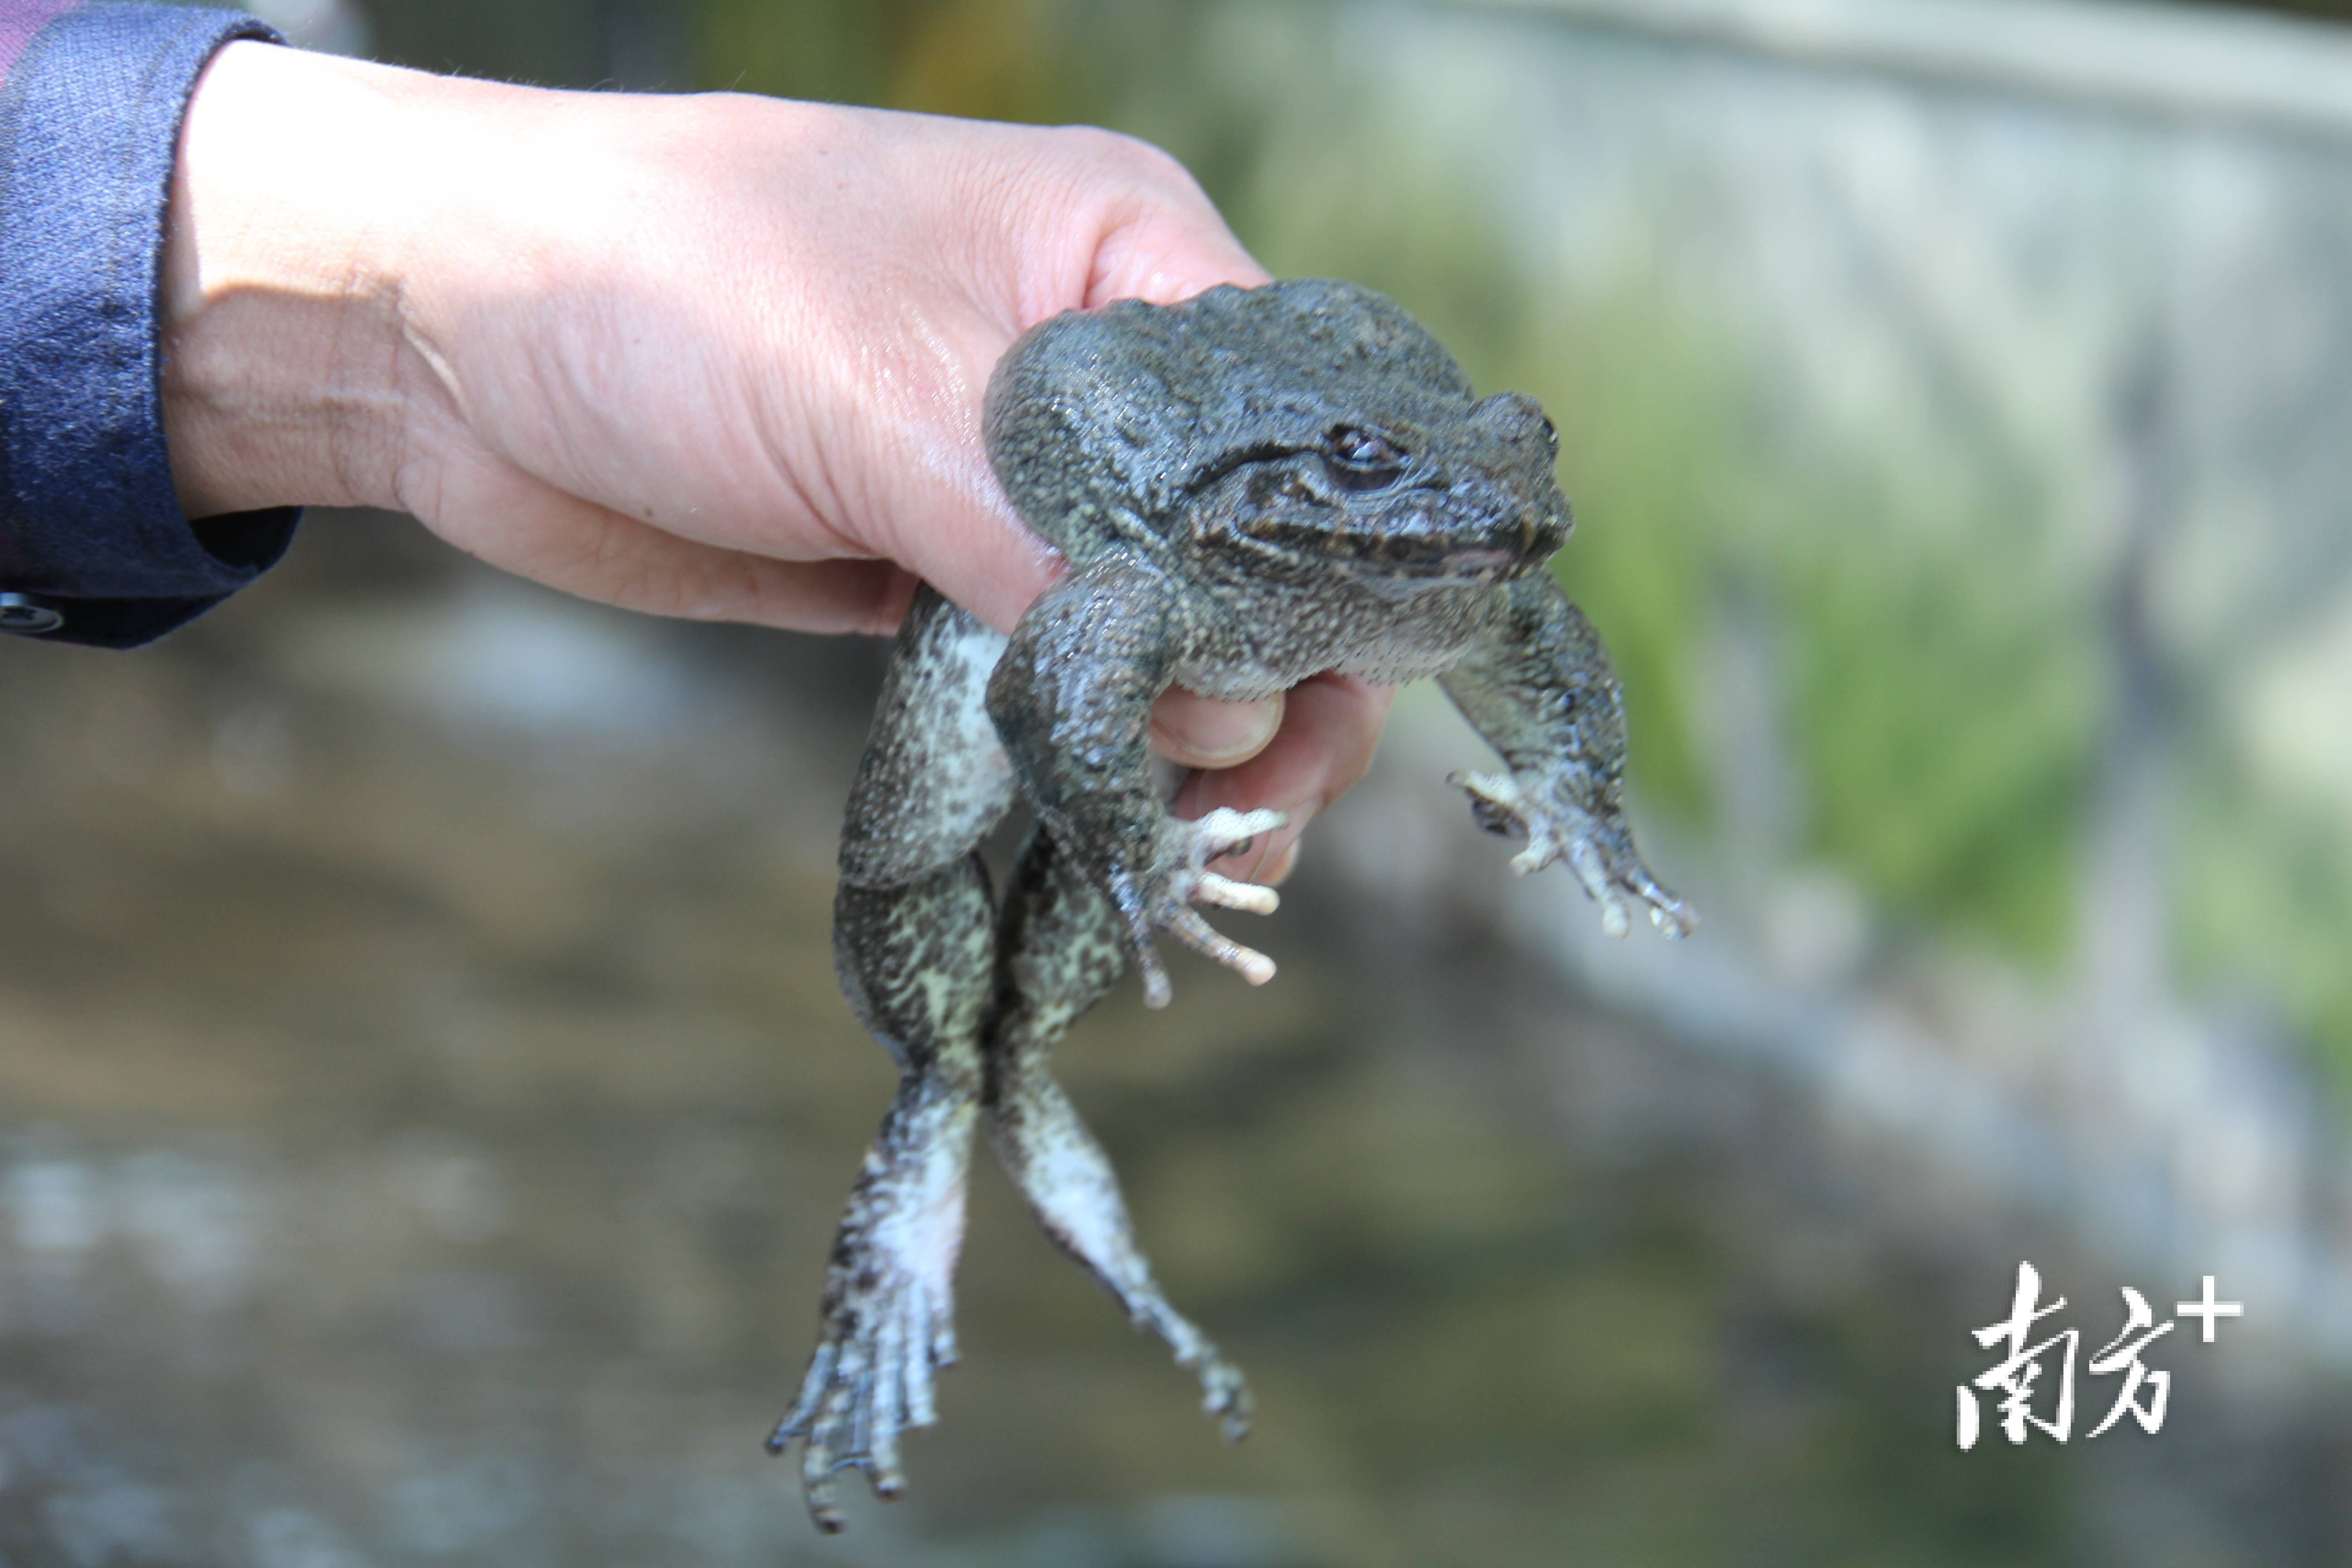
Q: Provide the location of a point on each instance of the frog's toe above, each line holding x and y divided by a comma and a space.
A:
1592, 868
870, 1380
1253, 897
1225, 1395
1204, 939
1502, 806
1223, 831
1672, 917
1604, 858
1211, 837
1496, 803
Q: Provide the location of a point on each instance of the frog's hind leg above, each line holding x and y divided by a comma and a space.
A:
914, 944
1058, 951
922, 954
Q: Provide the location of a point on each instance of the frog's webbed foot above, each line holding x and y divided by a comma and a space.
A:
888, 1314
1598, 848
869, 1380
1188, 847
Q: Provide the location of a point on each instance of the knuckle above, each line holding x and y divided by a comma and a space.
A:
1142, 167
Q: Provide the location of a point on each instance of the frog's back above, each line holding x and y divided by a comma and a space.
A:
1098, 422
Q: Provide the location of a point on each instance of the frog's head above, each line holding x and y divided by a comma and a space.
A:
1285, 431
1417, 495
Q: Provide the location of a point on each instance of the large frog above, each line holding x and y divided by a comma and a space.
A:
1252, 487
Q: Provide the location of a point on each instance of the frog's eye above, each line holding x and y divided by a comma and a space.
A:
1551, 437
1362, 459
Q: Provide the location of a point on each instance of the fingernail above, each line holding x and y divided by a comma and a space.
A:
1214, 733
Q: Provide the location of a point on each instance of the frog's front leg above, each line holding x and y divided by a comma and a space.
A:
1059, 949
915, 947
1539, 688
1072, 699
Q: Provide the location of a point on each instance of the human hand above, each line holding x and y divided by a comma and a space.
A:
716, 356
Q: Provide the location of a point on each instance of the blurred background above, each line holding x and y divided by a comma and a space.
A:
425, 1103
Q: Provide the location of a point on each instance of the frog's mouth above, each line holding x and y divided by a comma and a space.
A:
1413, 546
1470, 568
1424, 555
1481, 561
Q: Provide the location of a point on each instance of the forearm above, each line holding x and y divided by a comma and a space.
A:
288, 243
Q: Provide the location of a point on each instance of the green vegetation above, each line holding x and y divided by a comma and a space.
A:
2267, 901
983, 59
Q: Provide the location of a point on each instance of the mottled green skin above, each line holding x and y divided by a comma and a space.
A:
1252, 487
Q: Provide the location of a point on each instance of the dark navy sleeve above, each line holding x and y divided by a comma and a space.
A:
93, 546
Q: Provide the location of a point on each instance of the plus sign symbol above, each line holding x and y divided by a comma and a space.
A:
2206, 1309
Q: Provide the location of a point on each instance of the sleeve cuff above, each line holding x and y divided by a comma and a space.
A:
93, 546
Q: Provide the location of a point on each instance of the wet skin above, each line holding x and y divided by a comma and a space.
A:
1252, 487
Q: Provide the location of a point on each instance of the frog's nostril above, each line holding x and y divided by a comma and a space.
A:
1515, 412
